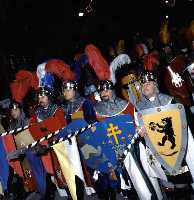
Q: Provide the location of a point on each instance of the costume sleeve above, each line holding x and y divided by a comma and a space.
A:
189, 116
89, 112
33, 120
60, 115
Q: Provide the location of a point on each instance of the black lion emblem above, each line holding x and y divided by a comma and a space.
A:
167, 129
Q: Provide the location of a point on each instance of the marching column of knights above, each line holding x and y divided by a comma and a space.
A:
112, 125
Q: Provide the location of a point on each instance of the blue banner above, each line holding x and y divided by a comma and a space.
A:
72, 127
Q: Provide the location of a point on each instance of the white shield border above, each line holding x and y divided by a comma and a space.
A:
183, 148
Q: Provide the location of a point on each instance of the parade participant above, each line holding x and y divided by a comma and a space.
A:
75, 107
109, 106
125, 78
74, 103
47, 109
139, 51
85, 69
151, 98
25, 80
78, 107
172, 79
17, 120
50, 116
18, 117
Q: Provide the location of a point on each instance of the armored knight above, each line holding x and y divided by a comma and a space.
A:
77, 107
18, 117
151, 97
46, 107
110, 105
50, 116
74, 105
25, 80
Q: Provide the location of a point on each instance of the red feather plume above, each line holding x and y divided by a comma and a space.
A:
25, 80
97, 62
151, 61
60, 69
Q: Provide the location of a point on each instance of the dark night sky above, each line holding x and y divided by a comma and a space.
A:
44, 29
54, 25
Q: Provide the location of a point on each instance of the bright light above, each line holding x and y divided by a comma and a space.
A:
81, 14
166, 1
166, 16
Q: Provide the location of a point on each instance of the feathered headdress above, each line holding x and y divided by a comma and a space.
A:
151, 61
25, 80
164, 33
60, 69
119, 61
46, 79
97, 62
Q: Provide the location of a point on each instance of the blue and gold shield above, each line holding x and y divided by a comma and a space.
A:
104, 144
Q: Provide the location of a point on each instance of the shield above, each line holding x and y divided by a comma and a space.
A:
23, 139
166, 128
103, 145
47, 126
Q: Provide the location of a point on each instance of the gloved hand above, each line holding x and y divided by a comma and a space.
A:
17, 154
40, 149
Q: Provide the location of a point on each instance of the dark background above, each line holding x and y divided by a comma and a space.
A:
35, 30
54, 25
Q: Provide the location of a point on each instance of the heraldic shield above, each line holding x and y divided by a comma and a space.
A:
104, 145
166, 128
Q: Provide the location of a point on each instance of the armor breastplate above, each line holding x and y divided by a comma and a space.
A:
160, 100
125, 108
45, 113
73, 110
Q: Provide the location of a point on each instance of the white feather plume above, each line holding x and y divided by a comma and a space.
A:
41, 72
120, 60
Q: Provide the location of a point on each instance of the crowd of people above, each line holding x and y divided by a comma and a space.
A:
96, 87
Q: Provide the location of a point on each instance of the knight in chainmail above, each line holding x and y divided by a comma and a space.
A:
154, 99
46, 107
111, 104
76, 106
151, 98
18, 117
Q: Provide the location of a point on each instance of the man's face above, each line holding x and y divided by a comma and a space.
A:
15, 113
148, 89
43, 101
69, 95
106, 95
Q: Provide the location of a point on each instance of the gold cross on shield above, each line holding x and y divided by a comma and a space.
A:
113, 131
